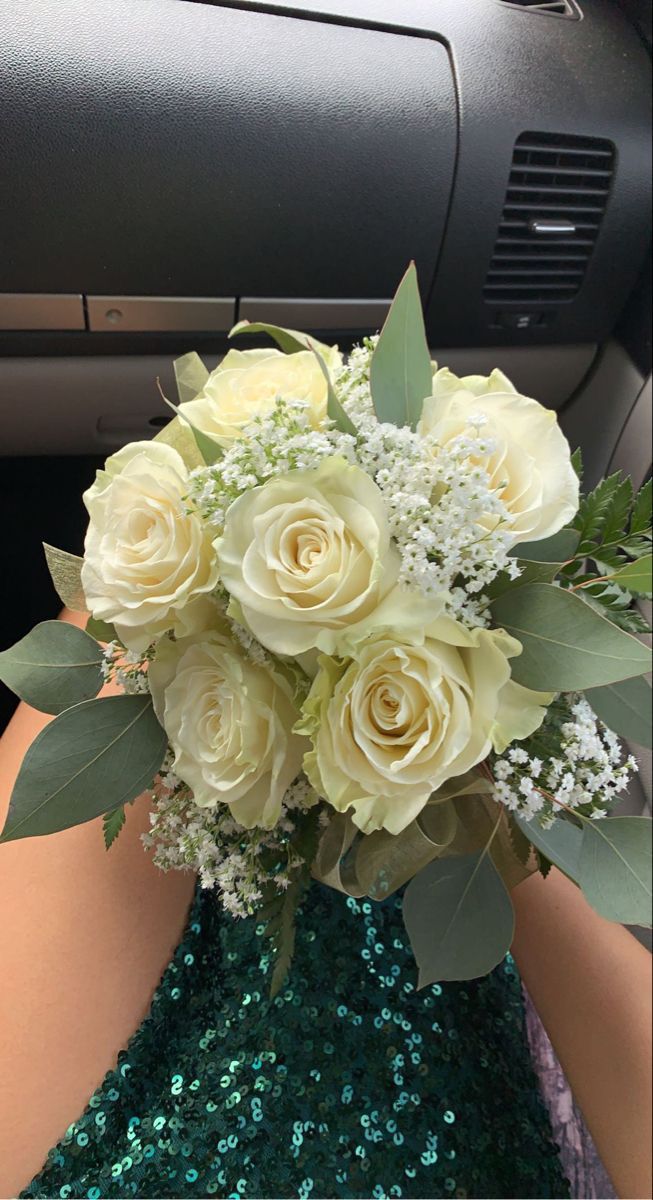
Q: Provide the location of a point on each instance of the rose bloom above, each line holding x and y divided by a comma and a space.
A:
406, 712
307, 555
247, 384
229, 722
531, 465
148, 563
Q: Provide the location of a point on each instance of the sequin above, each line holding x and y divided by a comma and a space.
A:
351, 1083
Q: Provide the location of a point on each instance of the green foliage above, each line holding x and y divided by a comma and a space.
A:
401, 376
560, 844
556, 549
567, 645
625, 708
636, 576
640, 520
208, 448
89, 760
334, 408
615, 868
102, 631
459, 917
112, 823
280, 928
614, 528
544, 864
612, 602
278, 908
288, 340
577, 463
519, 841
53, 667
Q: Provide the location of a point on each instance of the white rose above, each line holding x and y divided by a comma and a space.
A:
148, 562
247, 384
307, 556
229, 722
531, 466
407, 712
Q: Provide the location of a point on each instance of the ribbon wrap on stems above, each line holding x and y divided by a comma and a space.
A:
457, 820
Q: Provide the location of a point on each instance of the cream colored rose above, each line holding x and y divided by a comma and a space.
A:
531, 465
247, 383
149, 564
229, 722
407, 712
307, 556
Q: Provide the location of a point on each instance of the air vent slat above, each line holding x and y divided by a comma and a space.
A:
562, 150
556, 198
549, 8
590, 172
537, 189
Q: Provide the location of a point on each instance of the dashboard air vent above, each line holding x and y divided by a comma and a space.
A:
552, 8
557, 195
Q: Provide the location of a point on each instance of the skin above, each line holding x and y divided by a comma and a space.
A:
87, 935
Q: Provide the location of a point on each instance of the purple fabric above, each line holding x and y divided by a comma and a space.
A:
587, 1176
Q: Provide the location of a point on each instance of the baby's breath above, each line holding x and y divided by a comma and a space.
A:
271, 445
239, 863
573, 762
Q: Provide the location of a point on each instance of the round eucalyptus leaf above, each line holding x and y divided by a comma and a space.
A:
615, 868
459, 918
567, 645
53, 667
89, 760
625, 708
560, 843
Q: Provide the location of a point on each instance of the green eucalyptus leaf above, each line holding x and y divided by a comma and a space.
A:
334, 408
102, 631
560, 843
211, 452
191, 375
89, 760
55, 666
567, 645
401, 376
531, 572
636, 576
291, 341
459, 918
625, 708
558, 548
66, 572
615, 868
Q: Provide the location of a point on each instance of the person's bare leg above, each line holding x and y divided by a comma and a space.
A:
84, 938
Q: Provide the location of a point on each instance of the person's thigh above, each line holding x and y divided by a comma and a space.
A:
84, 938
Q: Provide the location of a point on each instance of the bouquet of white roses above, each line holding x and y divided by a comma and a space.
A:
368, 633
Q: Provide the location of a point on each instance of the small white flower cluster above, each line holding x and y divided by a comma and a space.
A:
272, 445
127, 667
447, 520
226, 856
586, 773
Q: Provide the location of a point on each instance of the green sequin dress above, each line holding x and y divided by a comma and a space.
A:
350, 1083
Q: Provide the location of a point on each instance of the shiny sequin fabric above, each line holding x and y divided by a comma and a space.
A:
349, 1084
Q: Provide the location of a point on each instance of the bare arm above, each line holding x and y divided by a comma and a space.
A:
84, 938
590, 981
